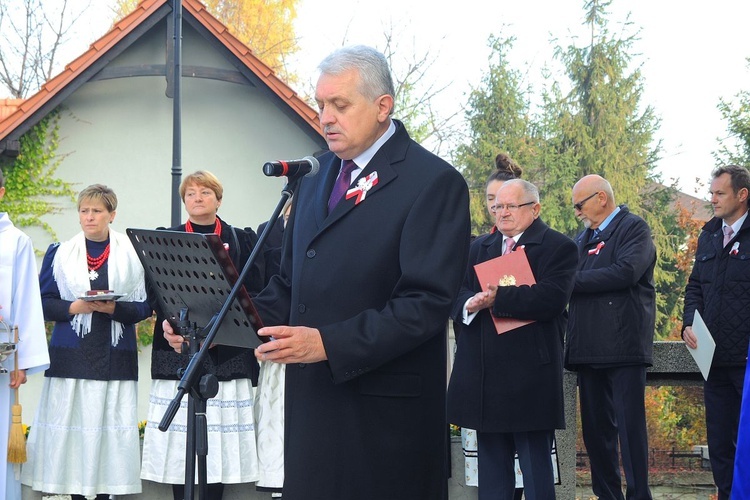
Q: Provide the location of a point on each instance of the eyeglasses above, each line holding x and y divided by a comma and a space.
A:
510, 206
578, 206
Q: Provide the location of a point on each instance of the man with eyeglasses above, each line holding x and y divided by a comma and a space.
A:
509, 386
610, 337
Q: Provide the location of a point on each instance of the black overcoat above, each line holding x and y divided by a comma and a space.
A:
513, 382
378, 278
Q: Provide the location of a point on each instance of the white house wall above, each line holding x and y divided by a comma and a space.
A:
118, 132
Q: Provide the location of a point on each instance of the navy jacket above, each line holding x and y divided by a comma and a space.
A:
613, 306
719, 287
92, 357
513, 382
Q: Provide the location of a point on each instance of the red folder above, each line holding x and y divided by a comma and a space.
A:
512, 269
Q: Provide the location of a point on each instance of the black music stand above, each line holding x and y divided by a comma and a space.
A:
192, 275
194, 271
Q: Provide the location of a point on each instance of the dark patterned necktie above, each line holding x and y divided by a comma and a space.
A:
342, 184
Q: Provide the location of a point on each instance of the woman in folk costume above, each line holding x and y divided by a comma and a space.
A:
20, 306
231, 424
84, 439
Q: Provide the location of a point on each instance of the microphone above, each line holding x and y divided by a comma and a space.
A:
307, 166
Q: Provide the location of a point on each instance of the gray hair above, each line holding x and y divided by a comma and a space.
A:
527, 187
607, 188
375, 75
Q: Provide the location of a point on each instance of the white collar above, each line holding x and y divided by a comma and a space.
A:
737, 224
363, 159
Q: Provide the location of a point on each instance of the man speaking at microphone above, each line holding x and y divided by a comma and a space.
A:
369, 272
367, 283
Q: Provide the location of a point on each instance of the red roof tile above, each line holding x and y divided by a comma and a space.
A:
9, 106
13, 115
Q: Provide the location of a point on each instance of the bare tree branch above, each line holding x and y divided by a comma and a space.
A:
417, 93
31, 34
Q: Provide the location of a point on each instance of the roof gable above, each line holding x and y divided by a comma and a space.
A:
18, 116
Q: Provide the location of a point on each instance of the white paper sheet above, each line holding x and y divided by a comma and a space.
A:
704, 353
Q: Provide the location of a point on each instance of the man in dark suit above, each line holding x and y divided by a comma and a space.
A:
719, 289
366, 285
610, 337
509, 386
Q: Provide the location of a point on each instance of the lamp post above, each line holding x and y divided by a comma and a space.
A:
177, 112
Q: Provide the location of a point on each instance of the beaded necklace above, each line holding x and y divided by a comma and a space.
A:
95, 263
217, 228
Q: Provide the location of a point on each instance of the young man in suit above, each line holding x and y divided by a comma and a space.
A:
718, 288
367, 280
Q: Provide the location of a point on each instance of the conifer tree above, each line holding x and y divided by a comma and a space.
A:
498, 121
604, 121
736, 147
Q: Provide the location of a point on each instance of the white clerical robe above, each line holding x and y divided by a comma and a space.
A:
21, 306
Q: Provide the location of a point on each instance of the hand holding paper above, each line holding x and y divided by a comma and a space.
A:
703, 353
689, 337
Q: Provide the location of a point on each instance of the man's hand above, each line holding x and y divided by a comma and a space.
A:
291, 344
482, 300
17, 377
689, 337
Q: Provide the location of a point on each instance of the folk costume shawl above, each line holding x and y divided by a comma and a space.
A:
124, 270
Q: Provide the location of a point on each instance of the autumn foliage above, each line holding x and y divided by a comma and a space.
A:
266, 26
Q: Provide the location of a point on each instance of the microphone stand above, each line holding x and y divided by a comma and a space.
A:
207, 387
197, 423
